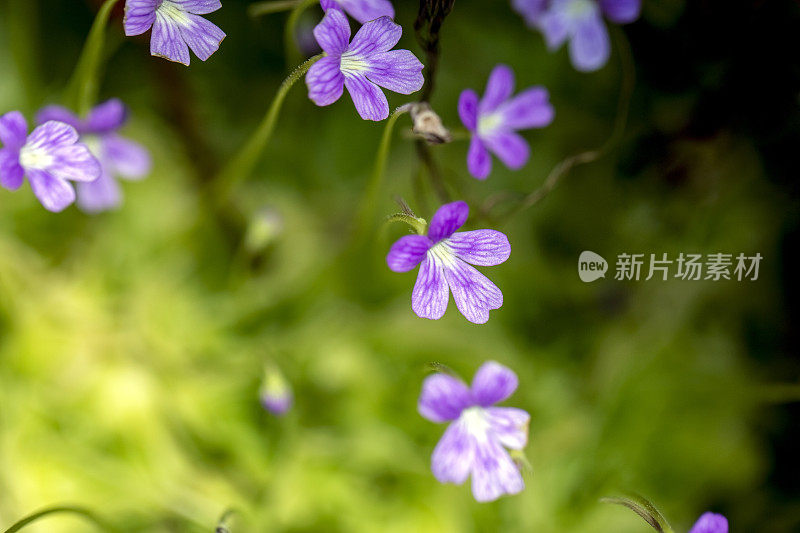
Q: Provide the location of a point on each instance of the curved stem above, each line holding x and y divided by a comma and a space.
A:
271, 6
84, 85
242, 164
80, 511
290, 30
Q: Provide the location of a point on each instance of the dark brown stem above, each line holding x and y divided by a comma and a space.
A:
429, 22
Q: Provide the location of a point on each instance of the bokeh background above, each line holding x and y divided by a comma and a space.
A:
132, 344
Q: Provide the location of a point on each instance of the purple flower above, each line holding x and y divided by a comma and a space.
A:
50, 157
476, 440
710, 523
444, 256
117, 156
363, 66
276, 393
581, 23
361, 10
495, 119
177, 27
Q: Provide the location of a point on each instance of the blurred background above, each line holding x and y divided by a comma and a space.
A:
133, 343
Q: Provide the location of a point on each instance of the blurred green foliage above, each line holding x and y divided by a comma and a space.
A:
132, 344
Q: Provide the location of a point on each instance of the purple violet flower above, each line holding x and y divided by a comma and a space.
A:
581, 23
476, 440
710, 523
361, 10
177, 27
363, 66
495, 119
445, 256
117, 156
50, 157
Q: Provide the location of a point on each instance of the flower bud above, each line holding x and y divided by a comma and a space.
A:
428, 125
276, 393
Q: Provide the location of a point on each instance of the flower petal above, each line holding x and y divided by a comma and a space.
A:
453, 456
555, 24
493, 383
379, 35
202, 36
531, 10
99, 195
589, 48
710, 523
483, 247
139, 16
54, 194
407, 252
447, 220
106, 117
509, 426
621, 11
365, 10
493, 472
529, 109
11, 173
397, 70
74, 162
479, 162
368, 98
443, 398
167, 42
509, 147
52, 134
125, 158
59, 114
325, 81
468, 109
333, 33
198, 7
475, 295
13, 129
430, 296
498, 88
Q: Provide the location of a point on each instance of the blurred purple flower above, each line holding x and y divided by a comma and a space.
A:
361, 10
444, 256
117, 156
177, 27
710, 523
581, 23
50, 157
494, 120
276, 393
363, 66
476, 440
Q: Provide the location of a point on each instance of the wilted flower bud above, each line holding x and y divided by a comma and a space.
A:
427, 124
276, 393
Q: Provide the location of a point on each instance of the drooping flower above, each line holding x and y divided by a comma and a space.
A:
475, 442
495, 119
177, 26
445, 256
50, 157
117, 155
361, 10
710, 523
363, 66
581, 23
276, 393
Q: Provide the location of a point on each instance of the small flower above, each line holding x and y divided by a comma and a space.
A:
581, 23
363, 66
117, 155
276, 393
177, 27
444, 256
361, 10
495, 119
476, 440
50, 157
710, 523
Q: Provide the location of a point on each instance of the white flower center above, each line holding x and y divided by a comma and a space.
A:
442, 253
350, 62
581, 8
173, 12
475, 421
488, 123
35, 156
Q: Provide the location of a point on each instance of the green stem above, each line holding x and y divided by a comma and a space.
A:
84, 85
271, 6
242, 164
369, 203
290, 30
80, 511
22, 29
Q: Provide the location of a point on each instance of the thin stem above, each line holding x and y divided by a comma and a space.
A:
290, 30
22, 29
428, 161
242, 164
271, 6
80, 511
84, 85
